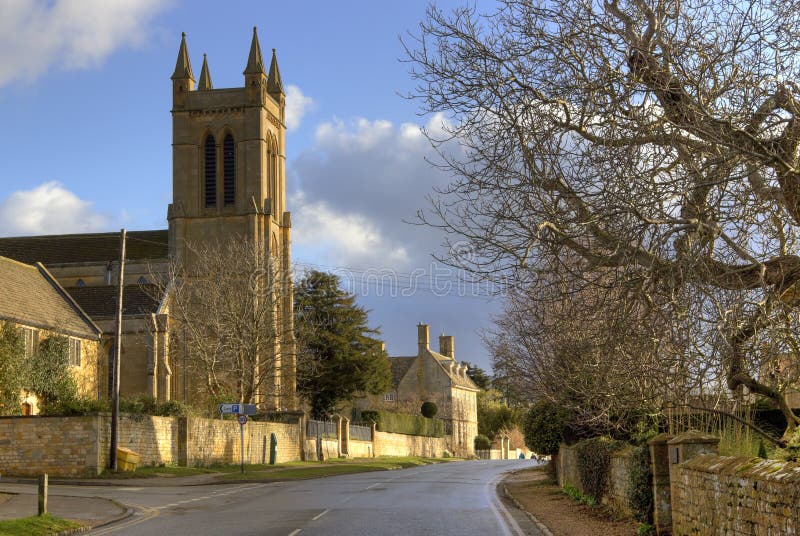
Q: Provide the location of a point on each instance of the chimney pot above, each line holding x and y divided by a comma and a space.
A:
423, 337
447, 346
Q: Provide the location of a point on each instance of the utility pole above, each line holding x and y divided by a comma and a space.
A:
117, 353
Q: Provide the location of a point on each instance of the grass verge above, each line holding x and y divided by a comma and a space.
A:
36, 526
282, 471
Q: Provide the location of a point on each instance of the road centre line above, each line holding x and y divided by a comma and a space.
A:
295, 531
320, 514
372, 486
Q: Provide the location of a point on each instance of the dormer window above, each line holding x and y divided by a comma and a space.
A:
210, 171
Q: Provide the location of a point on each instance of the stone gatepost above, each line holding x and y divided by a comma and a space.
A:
662, 504
684, 447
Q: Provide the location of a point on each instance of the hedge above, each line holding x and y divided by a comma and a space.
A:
400, 423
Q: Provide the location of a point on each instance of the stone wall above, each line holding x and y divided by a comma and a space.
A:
360, 449
618, 476
388, 444
567, 467
212, 441
79, 446
726, 495
330, 449
55, 445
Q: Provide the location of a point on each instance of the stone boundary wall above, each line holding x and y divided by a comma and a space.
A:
330, 449
360, 449
618, 475
728, 495
210, 441
567, 467
79, 446
58, 446
389, 444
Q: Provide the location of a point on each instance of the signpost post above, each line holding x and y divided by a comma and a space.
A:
242, 421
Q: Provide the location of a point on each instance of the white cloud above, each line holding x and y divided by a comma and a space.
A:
70, 34
357, 185
297, 105
346, 239
48, 209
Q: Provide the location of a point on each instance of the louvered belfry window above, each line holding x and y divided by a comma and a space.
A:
211, 171
229, 171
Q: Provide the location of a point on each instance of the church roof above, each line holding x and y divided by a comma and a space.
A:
79, 248
101, 302
400, 366
30, 296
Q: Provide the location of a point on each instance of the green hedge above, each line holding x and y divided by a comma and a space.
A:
400, 423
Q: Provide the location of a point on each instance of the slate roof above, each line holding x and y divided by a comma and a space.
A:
79, 248
460, 381
29, 295
101, 302
400, 366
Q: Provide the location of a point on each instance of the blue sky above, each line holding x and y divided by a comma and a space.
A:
85, 96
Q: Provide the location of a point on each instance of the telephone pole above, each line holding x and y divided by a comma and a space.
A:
117, 353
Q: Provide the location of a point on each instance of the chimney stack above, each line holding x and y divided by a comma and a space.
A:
423, 337
447, 346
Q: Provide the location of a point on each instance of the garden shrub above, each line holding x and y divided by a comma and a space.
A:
77, 406
429, 410
482, 442
147, 405
640, 491
594, 462
544, 427
401, 423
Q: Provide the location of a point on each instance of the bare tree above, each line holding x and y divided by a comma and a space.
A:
656, 139
226, 308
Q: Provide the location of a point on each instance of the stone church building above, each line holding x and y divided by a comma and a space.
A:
228, 181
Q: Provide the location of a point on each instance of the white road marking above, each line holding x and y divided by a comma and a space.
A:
346, 499
320, 514
507, 522
295, 531
372, 486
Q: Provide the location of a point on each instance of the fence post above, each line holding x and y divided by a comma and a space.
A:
684, 447
42, 494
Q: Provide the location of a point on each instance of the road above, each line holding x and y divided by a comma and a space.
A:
456, 498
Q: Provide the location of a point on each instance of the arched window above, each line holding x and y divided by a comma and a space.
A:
228, 171
80, 283
27, 408
211, 171
142, 280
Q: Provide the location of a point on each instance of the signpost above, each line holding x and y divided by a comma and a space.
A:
242, 419
237, 409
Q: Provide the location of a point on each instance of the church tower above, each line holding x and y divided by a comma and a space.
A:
229, 181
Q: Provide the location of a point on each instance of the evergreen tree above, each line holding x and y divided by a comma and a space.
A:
478, 376
338, 355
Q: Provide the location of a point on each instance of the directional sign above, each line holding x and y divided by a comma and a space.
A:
242, 419
237, 409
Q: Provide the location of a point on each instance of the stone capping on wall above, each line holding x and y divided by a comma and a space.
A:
734, 495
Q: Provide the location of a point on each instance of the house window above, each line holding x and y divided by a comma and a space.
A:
211, 172
228, 171
31, 337
75, 352
388, 397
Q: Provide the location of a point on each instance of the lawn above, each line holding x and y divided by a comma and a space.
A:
36, 526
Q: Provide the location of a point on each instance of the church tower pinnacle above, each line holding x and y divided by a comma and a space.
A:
183, 77
205, 77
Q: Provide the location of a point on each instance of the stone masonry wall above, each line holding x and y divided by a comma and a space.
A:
217, 441
737, 496
388, 444
30, 446
360, 449
618, 475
